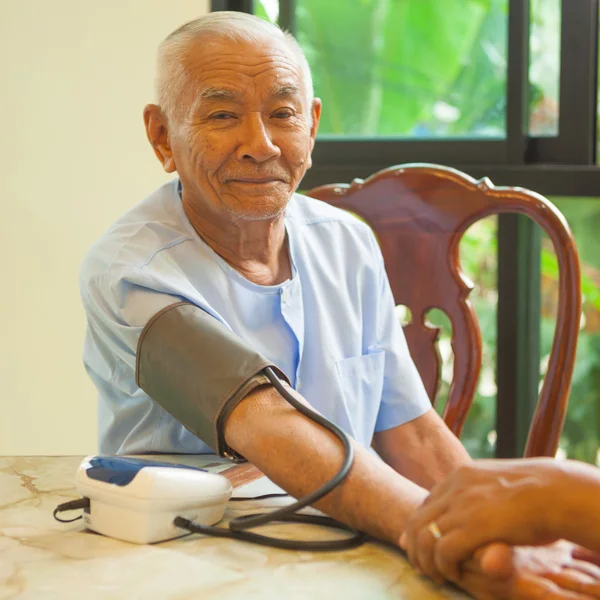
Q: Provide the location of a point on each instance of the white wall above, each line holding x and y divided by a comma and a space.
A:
74, 78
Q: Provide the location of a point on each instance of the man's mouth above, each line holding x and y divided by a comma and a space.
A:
255, 180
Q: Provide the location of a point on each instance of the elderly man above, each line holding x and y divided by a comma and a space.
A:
301, 282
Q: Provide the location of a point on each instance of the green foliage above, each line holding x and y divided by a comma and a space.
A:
260, 11
581, 434
387, 63
411, 68
583, 216
589, 288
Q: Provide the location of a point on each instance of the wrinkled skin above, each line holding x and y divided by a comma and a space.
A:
240, 141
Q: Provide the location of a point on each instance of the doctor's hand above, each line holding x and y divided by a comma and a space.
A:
483, 502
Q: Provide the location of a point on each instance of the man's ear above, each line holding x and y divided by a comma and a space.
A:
157, 130
315, 113
316, 117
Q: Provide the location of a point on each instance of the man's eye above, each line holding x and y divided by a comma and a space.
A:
283, 114
221, 116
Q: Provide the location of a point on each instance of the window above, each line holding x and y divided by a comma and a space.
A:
598, 105
544, 65
407, 69
411, 69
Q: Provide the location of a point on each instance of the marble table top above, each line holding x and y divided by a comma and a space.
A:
41, 558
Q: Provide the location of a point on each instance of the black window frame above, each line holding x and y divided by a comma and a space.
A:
563, 165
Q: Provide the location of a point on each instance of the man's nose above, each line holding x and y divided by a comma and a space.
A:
256, 143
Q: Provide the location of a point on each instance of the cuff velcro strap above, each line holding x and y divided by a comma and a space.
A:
198, 370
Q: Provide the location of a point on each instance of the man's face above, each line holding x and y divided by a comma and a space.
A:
243, 142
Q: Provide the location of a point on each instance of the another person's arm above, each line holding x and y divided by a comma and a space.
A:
576, 516
519, 502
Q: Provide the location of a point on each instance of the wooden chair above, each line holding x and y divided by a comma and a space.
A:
419, 213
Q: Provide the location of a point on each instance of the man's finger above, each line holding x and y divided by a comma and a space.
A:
402, 541
535, 587
497, 561
588, 568
519, 587
589, 556
576, 581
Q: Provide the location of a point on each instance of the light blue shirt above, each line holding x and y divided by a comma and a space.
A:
331, 328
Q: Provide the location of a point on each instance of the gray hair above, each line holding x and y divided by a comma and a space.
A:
236, 26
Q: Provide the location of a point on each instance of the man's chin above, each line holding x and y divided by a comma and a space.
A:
260, 210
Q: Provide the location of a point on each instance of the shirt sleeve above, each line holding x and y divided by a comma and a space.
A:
404, 397
118, 304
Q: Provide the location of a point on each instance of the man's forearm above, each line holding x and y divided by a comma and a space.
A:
300, 455
423, 450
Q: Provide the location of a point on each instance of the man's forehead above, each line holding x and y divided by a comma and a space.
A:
215, 49
241, 70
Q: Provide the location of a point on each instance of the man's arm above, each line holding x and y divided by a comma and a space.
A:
423, 450
299, 456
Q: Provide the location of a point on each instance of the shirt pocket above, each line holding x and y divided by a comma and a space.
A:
361, 381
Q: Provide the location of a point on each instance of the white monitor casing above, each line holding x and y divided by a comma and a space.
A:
143, 510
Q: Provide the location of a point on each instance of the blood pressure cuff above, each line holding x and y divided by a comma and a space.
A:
198, 370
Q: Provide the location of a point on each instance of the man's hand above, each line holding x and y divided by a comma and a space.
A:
550, 572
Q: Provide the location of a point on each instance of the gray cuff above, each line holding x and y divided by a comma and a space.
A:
198, 371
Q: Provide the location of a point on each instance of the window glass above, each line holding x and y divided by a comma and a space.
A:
405, 68
581, 433
544, 67
267, 9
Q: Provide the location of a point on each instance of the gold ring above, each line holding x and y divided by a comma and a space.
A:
435, 530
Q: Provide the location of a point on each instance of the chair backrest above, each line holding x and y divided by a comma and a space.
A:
419, 213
